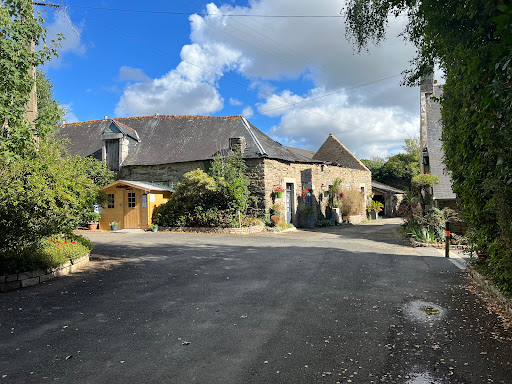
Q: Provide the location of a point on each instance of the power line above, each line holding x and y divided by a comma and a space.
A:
207, 70
207, 14
242, 84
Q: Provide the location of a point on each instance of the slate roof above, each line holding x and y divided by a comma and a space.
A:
443, 190
385, 188
166, 139
303, 152
334, 151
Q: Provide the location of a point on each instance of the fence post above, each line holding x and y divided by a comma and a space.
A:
447, 239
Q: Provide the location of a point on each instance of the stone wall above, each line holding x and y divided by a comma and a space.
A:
313, 176
264, 174
171, 173
27, 279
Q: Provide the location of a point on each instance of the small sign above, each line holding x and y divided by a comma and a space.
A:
152, 197
144, 201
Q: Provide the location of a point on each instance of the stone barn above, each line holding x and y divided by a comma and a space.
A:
160, 149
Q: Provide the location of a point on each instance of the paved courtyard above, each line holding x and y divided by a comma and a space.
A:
351, 304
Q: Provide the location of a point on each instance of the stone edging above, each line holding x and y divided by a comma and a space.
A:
415, 244
27, 279
490, 288
230, 231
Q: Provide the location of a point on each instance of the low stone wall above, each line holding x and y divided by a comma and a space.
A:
27, 279
230, 231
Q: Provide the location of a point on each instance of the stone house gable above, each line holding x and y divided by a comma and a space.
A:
333, 150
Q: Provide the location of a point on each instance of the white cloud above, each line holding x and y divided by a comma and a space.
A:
71, 42
366, 131
247, 112
127, 73
371, 119
69, 115
191, 88
234, 102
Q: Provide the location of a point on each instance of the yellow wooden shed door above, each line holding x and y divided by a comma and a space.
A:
132, 209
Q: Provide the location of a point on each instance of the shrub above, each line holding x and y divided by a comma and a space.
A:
353, 201
324, 223
208, 200
47, 253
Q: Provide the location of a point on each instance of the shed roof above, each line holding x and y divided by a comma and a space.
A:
166, 139
386, 188
141, 185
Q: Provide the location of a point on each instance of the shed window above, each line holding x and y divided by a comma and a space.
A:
110, 200
131, 200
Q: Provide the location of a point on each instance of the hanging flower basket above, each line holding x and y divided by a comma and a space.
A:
305, 193
278, 191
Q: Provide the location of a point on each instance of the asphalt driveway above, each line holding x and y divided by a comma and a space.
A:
346, 304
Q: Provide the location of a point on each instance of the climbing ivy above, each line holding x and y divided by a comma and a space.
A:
471, 40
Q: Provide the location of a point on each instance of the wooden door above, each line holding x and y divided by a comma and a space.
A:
112, 148
132, 209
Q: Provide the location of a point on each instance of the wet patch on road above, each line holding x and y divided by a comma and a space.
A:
423, 311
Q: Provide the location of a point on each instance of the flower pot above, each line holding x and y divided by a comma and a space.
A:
374, 215
279, 194
114, 227
154, 229
92, 226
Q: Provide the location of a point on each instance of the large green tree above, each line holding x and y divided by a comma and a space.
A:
397, 170
471, 40
42, 192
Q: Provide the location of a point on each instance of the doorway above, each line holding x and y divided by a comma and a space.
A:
289, 202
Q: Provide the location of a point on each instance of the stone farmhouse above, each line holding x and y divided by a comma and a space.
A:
160, 149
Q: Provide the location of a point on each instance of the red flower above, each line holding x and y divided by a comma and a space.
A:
73, 242
342, 195
65, 241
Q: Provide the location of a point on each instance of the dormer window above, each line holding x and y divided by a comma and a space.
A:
116, 139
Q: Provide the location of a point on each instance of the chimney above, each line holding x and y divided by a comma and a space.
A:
237, 144
105, 117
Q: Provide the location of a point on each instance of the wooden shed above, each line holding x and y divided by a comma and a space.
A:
131, 203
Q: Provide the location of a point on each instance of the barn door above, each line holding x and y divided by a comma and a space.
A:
132, 209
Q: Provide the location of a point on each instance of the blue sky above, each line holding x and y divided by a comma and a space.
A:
297, 79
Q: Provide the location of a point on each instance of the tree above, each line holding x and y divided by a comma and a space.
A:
423, 184
49, 109
398, 169
19, 29
472, 42
42, 192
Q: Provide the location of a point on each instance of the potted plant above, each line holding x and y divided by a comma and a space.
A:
376, 207
278, 191
153, 227
114, 225
92, 220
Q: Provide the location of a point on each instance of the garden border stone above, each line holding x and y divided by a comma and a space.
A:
230, 231
30, 278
